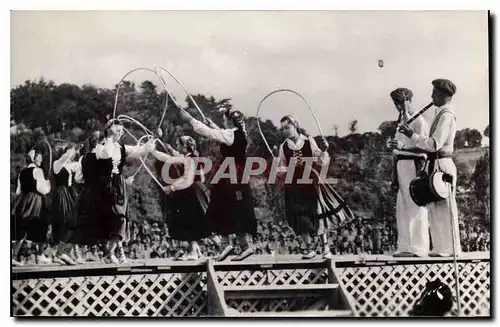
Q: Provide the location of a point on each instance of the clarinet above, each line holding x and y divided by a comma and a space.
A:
415, 116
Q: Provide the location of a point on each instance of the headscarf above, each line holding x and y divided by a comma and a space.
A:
401, 95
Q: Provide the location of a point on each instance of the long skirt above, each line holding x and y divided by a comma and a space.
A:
29, 218
315, 208
102, 211
64, 215
187, 220
231, 210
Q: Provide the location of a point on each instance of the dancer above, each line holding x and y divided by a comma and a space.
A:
311, 208
189, 196
230, 210
412, 220
439, 146
105, 191
115, 154
65, 196
29, 219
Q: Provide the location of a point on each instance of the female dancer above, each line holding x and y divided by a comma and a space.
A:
309, 208
189, 196
29, 219
230, 210
66, 170
105, 194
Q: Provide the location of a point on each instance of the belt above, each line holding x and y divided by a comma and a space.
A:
407, 157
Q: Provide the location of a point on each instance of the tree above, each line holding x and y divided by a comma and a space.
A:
481, 185
460, 140
336, 129
487, 131
388, 128
474, 138
353, 126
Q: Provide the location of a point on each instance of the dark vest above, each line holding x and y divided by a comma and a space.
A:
28, 183
237, 150
62, 178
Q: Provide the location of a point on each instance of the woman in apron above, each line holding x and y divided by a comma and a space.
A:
189, 197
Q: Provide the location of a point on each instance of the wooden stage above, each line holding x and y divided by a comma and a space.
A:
260, 286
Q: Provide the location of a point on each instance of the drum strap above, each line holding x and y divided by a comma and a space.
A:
434, 156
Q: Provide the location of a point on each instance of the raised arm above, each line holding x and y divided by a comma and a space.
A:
225, 136
168, 158
61, 162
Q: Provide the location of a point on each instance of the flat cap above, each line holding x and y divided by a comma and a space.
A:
445, 85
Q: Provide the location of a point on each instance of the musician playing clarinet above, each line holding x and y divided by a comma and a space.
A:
439, 147
412, 220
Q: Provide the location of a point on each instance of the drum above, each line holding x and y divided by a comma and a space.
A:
426, 189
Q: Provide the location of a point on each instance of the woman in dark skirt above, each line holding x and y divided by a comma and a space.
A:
231, 209
29, 219
311, 208
64, 222
113, 209
189, 196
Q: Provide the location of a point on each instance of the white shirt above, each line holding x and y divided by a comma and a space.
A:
111, 149
444, 135
189, 169
316, 152
42, 185
220, 135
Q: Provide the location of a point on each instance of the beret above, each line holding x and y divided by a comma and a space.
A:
445, 86
401, 94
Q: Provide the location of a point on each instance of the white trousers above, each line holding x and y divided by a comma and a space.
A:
439, 215
412, 220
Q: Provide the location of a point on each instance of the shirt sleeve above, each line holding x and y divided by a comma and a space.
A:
42, 185
77, 169
316, 152
135, 151
225, 136
188, 177
59, 163
436, 141
105, 151
168, 158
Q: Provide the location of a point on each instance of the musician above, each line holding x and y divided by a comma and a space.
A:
231, 209
29, 219
66, 170
412, 220
303, 200
440, 148
189, 197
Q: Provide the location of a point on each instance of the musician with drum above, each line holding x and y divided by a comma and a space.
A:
437, 189
412, 220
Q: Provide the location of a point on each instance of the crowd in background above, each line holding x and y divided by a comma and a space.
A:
151, 240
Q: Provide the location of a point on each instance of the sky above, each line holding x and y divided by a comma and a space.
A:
329, 57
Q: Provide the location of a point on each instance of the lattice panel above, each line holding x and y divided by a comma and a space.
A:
277, 304
393, 290
273, 277
175, 295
